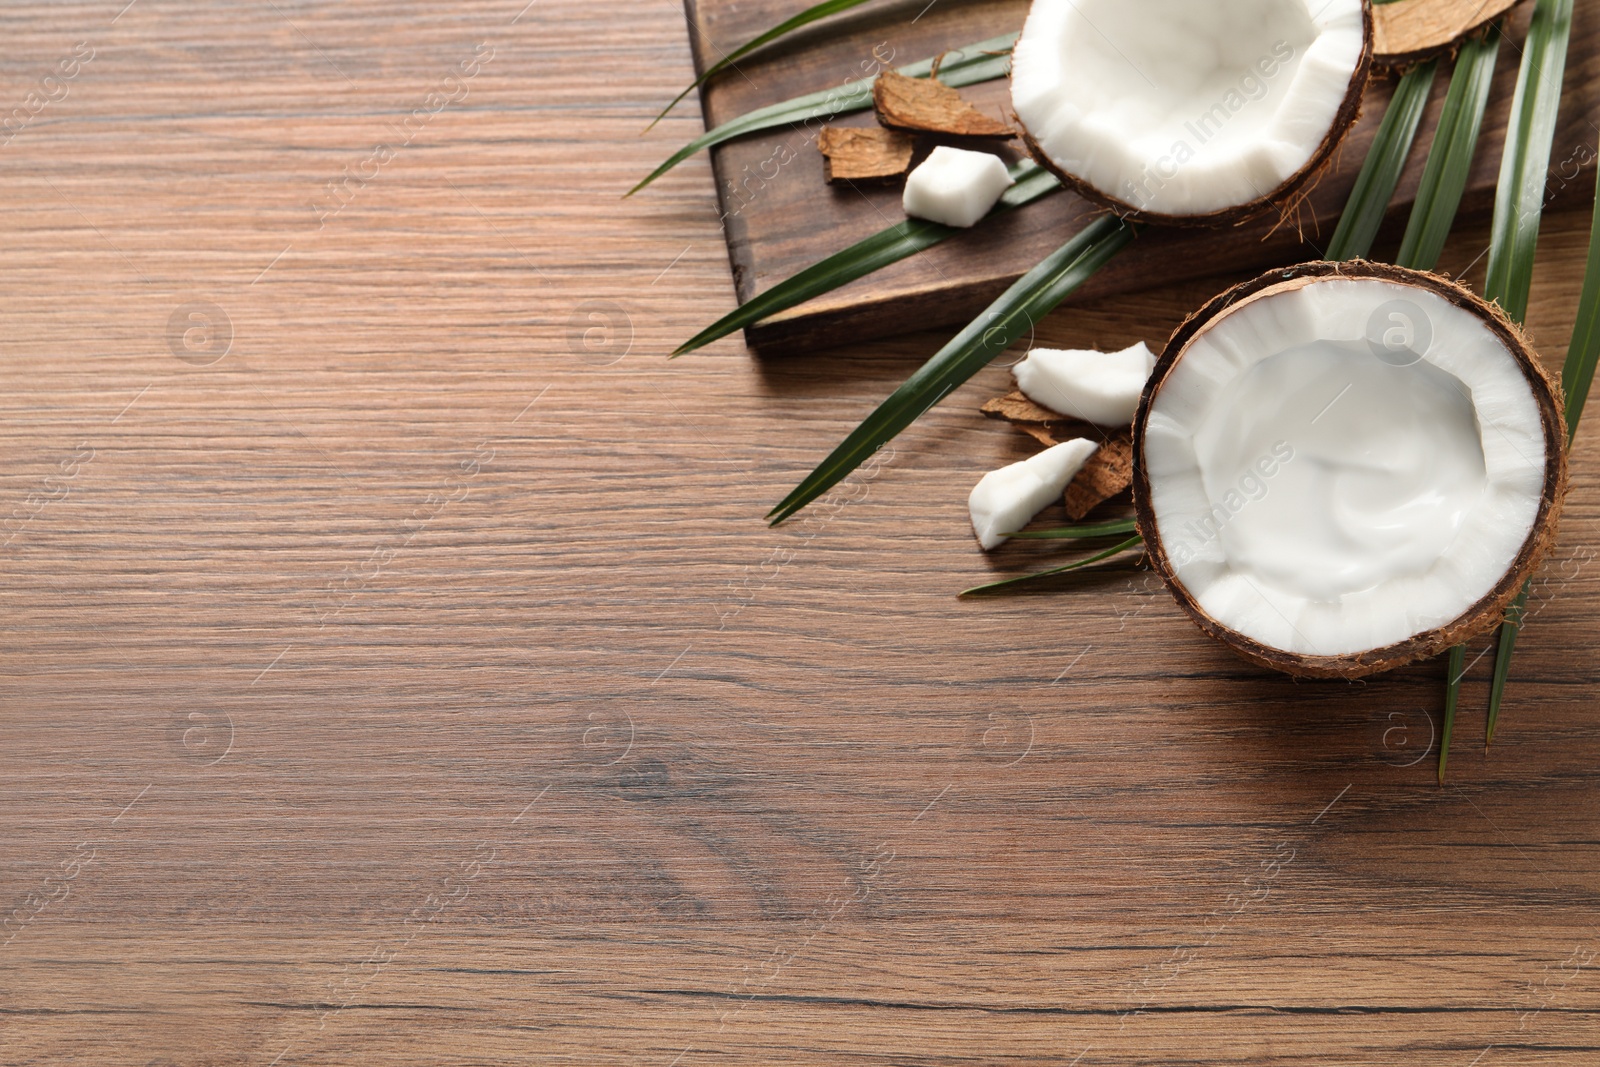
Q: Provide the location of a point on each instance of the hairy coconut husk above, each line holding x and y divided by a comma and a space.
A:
1483, 616
1016, 407
1107, 473
1284, 198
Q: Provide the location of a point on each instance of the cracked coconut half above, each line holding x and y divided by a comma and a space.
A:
1190, 112
1344, 468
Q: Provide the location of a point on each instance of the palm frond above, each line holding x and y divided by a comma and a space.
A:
1444, 180
1518, 209
973, 63
1029, 299
1584, 351
1504, 645
1519, 201
1012, 583
900, 241
782, 29
1380, 173
1113, 528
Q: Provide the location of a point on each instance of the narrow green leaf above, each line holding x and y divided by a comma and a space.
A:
1380, 174
1010, 583
1444, 180
900, 241
980, 62
1576, 377
1518, 209
1584, 351
1502, 659
1457, 668
1519, 202
1113, 528
1452, 698
787, 26
1033, 296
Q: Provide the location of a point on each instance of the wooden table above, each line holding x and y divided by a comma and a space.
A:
396, 670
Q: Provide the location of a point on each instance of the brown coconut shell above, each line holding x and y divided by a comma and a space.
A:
1413, 31
1482, 616
1284, 196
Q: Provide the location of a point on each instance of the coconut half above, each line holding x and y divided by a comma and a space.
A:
1344, 468
1190, 112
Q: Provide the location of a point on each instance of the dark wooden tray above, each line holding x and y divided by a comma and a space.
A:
779, 215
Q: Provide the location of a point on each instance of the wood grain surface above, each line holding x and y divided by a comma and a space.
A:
780, 216
396, 670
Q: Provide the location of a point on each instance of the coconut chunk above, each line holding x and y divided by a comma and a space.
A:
1098, 387
1343, 468
1006, 500
1190, 111
955, 187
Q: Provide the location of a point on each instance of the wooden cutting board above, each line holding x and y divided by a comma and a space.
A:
780, 216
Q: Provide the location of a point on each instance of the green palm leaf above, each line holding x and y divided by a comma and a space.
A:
1450, 163
1113, 528
1576, 377
1380, 174
788, 26
1504, 647
1519, 202
1444, 180
1011, 583
1584, 351
900, 241
1518, 209
1033, 296
983, 61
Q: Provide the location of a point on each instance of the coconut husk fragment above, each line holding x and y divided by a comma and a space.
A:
927, 105
1107, 473
1016, 407
870, 154
1038, 422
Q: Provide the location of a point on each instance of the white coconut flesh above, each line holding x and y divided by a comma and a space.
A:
1185, 107
955, 186
1341, 467
1006, 500
1098, 387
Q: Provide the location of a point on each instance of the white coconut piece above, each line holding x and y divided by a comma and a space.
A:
1346, 466
955, 187
1006, 500
1098, 387
1189, 108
